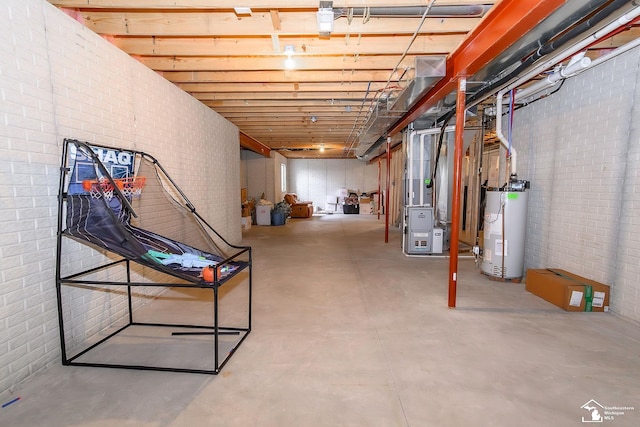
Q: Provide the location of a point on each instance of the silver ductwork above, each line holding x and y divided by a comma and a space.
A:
425, 74
427, 71
415, 11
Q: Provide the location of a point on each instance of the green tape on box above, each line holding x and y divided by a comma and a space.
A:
512, 196
588, 290
588, 296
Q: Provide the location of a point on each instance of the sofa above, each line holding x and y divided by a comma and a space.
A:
299, 209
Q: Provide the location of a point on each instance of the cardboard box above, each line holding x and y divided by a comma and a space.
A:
366, 209
568, 291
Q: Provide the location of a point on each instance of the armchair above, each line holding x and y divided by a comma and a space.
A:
299, 209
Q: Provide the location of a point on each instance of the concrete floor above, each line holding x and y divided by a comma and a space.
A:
349, 332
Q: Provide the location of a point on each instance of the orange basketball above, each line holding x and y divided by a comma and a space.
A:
207, 274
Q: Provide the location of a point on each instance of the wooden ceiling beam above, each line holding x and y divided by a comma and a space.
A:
141, 23
254, 145
320, 124
254, 46
277, 76
295, 126
300, 105
312, 138
319, 110
230, 4
280, 87
297, 134
283, 95
338, 63
258, 118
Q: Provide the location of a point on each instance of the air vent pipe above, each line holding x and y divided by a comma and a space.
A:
414, 11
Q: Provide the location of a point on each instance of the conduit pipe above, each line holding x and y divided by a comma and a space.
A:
622, 49
578, 63
576, 67
503, 140
551, 46
621, 21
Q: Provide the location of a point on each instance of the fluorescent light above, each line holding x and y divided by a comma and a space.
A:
289, 63
242, 10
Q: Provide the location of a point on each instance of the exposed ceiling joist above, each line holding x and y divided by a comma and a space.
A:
235, 63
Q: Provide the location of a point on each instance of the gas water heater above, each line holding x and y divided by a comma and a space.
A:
505, 222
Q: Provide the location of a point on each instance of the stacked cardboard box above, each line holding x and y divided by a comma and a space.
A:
567, 290
366, 208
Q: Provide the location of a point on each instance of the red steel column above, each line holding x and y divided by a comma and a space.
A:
457, 184
379, 183
386, 196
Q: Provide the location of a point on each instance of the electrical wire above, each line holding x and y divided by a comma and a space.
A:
524, 104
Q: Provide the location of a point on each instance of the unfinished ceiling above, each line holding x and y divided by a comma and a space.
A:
285, 82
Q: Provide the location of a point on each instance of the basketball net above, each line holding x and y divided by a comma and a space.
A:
130, 187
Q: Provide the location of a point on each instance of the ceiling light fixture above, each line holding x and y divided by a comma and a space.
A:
314, 119
242, 11
322, 148
325, 18
289, 63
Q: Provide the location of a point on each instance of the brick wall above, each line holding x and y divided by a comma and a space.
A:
580, 149
57, 80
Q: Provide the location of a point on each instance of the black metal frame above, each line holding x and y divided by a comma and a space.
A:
214, 329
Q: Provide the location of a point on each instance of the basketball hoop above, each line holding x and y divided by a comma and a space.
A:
130, 187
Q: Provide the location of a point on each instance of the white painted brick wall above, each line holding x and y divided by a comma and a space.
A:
260, 172
58, 80
580, 150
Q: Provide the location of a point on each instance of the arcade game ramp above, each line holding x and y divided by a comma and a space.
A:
124, 205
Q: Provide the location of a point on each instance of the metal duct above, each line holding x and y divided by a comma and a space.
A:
428, 71
469, 11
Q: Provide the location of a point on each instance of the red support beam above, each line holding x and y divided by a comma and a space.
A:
506, 23
457, 187
386, 196
379, 181
254, 145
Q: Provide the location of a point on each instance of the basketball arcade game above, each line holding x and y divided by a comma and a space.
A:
123, 205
